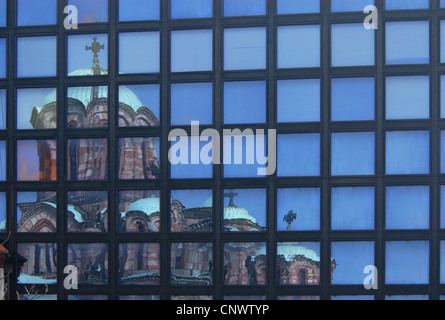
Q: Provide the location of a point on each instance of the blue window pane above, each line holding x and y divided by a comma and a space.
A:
298, 6
31, 12
2, 211
91, 11
352, 45
299, 100
30, 98
183, 9
244, 155
299, 46
407, 4
234, 8
407, 97
36, 56
407, 262
81, 61
299, 155
245, 48
139, 52
407, 42
407, 207
191, 50
350, 5
305, 203
442, 96
3, 108
352, 298
136, 10
3, 58
353, 208
442, 151
407, 152
3, 160
442, 3
353, 99
3, 10
442, 41
353, 153
442, 262
191, 102
351, 259
185, 159
442, 207
245, 102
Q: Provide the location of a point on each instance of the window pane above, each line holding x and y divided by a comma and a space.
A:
245, 155
245, 102
353, 153
139, 52
442, 262
245, 48
350, 5
244, 8
191, 102
3, 164
299, 100
91, 11
298, 6
305, 152
138, 158
245, 210
37, 108
298, 46
352, 298
349, 259
191, 298
298, 209
407, 42
353, 208
407, 4
407, 262
139, 105
408, 97
191, 264
298, 263
131, 10
3, 13
442, 96
245, 264
37, 212
191, 50
3, 109
191, 157
36, 56
442, 41
3, 217
353, 99
87, 159
408, 298
442, 151
82, 61
36, 160
31, 12
41, 263
87, 107
352, 45
139, 211
192, 211
183, 9
140, 264
87, 211
408, 207
407, 152
3, 59
91, 261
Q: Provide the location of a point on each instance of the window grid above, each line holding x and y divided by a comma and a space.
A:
218, 23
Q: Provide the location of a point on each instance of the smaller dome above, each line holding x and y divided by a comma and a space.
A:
87, 72
234, 213
148, 205
290, 251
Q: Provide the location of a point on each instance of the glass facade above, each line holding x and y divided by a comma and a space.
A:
102, 167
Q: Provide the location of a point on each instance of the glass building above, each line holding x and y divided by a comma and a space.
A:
92, 92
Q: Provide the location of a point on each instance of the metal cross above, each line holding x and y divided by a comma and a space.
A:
95, 47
